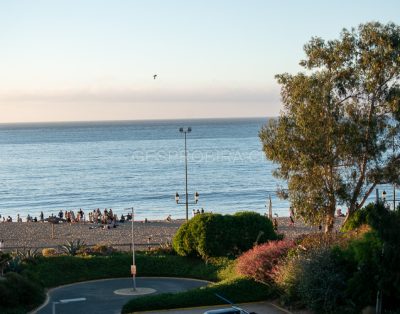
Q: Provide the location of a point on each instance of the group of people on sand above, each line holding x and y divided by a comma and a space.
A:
105, 217
19, 219
197, 212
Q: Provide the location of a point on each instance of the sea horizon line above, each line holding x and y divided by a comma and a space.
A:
134, 120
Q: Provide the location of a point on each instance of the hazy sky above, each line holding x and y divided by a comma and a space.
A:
95, 59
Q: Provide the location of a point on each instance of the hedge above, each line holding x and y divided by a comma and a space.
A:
208, 235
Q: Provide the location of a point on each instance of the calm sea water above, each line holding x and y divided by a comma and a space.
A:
48, 167
53, 166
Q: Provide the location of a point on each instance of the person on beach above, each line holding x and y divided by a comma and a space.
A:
291, 216
41, 216
275, 224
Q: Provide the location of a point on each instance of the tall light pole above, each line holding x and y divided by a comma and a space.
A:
196, 196
188, 130
133, 267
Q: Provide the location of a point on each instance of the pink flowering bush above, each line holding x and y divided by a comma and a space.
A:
260, 262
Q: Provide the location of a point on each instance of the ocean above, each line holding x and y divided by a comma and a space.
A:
89, 165
52, 166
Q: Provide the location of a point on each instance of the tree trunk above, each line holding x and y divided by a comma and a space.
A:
329, 221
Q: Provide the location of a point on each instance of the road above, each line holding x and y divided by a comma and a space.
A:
100, 296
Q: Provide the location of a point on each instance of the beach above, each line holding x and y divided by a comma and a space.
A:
25, 235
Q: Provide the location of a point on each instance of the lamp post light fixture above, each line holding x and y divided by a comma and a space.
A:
196, 198
196, 195
133, 266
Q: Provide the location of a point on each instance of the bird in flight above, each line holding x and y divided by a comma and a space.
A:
154, 76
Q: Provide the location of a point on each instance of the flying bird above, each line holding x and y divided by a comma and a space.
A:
154, 76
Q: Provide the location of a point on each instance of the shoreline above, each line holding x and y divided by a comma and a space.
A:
25, 235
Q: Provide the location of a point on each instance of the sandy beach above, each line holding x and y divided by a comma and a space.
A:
154, 233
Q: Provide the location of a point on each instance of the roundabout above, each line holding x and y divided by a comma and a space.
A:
109, 295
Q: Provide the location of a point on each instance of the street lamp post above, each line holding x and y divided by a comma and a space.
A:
133, 267
196, 195
196, 199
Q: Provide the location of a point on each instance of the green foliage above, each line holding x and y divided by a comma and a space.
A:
358, 219
386, 223
73, 247
317, 280
19, 294
14, 264
318, 241
362, 282
99, 249
287, 278
210, 235
324, 281
60, 270
345, 277
331, 140
237, 289
27, 256
4, 259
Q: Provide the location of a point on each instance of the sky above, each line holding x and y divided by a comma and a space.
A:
86, 60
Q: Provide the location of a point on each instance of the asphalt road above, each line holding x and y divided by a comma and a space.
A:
100, 296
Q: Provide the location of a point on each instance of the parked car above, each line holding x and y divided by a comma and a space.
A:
231, 310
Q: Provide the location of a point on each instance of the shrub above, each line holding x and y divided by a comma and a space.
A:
363, 282
287, 277
4, 259
27, 255
210, 235
49, 252
359, 218
317, 280
96, 250
61, 270
260, 261
72, 247
324, 282
19, 294
386, 225
316, 241
252, 229
14, 264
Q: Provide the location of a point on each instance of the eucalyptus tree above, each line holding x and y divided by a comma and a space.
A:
337, 135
